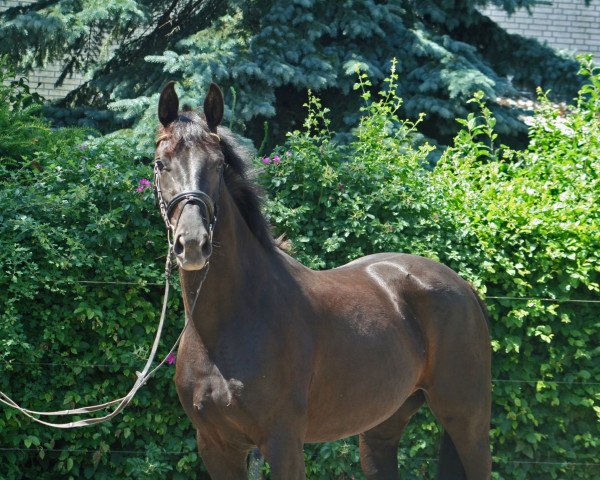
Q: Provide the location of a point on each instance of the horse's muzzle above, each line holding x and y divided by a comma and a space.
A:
192, 243
192, 251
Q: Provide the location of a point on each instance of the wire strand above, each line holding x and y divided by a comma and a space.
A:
491, 297
541, 299
405, 459
116, 282
124, 366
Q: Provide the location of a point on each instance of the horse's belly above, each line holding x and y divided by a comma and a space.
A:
350, 415
353, 397
328, 430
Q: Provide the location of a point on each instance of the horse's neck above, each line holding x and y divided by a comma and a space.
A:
237, 258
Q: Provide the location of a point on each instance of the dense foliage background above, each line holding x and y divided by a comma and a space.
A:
267, 53
523, 227
81, 259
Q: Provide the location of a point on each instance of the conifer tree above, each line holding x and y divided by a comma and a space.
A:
267, 53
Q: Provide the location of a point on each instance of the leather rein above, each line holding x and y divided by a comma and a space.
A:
166, 210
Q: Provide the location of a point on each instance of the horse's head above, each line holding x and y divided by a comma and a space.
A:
188, 174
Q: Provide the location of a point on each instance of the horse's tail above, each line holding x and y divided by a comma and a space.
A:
450, 466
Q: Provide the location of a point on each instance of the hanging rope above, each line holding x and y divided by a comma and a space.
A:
143, 376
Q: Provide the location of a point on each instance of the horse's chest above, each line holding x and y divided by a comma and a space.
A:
213, 394
217, 388
209, 383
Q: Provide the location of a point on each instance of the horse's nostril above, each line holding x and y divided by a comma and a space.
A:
206, 247
178, 248
201, 246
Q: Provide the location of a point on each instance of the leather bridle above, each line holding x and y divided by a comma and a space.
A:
197, 197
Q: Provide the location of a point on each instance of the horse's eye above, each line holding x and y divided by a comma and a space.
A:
160, 165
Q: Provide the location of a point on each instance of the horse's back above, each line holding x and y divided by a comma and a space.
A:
420, 282
426, 273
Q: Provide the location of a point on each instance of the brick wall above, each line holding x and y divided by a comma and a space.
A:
566, 24
42, 80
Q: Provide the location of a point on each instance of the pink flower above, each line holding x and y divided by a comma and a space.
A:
171, 358
276, 159
143, 184
288, 153
266, 160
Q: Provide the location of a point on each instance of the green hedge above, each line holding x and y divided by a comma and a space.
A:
72, 213
516, 224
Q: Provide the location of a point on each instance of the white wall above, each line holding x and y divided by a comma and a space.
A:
566, 24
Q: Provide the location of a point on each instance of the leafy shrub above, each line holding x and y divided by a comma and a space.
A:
22, 130
516, 224
340, 201
523, 226
75, 212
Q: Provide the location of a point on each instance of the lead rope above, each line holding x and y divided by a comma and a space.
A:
146, 373
143, 376
122, 402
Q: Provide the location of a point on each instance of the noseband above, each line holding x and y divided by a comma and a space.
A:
193, 196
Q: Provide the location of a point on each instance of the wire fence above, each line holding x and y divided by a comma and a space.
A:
124, 366
143, 453
491, 297
143, 284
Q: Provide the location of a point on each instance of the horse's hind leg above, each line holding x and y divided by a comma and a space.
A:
459, 396
379, 446
466, 442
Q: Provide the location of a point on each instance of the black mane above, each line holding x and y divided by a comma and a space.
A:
191, 127
243, 189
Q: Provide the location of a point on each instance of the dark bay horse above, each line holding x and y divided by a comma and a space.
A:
277, 355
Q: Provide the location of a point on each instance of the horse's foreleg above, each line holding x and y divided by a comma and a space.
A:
223, 461
379, 446
284, 451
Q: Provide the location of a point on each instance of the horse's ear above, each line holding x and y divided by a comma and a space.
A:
168, 105
214, 105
